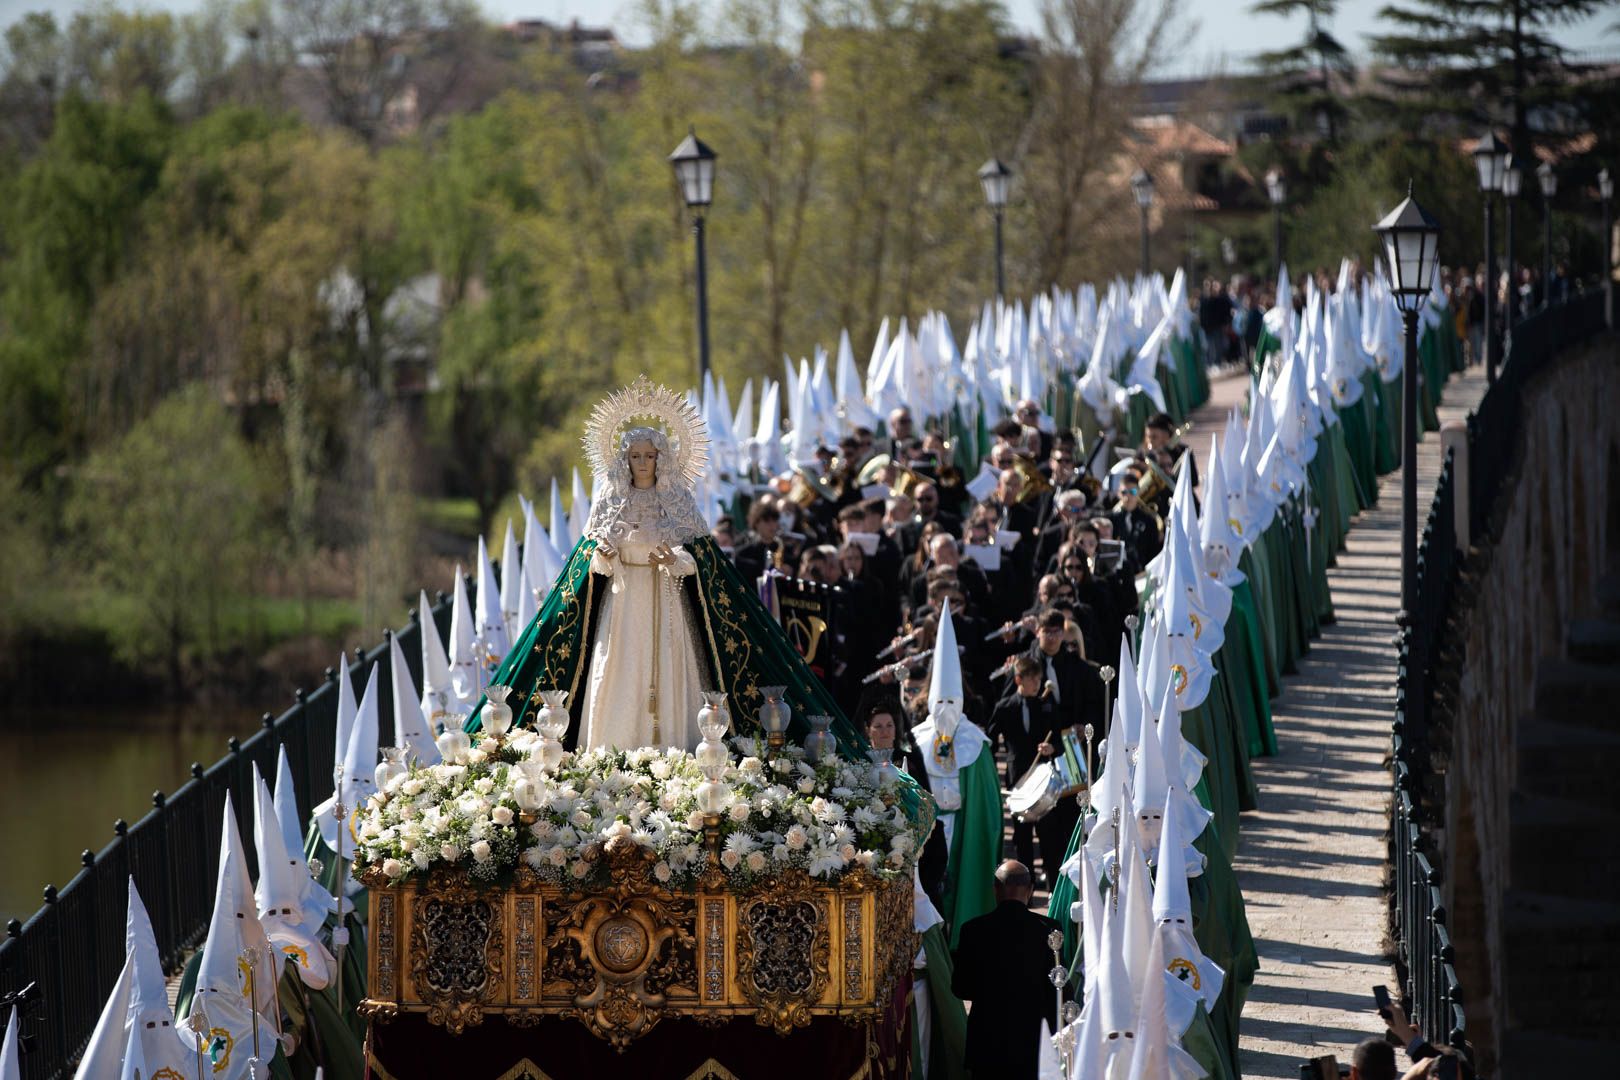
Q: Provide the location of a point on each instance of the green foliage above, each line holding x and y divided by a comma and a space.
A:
1337, 219
1308, 81
1475, 63
169, 519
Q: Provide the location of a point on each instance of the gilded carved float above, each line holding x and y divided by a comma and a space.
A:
623, 957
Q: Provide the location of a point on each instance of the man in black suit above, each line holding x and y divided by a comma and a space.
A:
1023, 720
1002, 966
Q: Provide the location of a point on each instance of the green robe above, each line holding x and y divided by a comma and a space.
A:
948, 1018
746, 649
975, 846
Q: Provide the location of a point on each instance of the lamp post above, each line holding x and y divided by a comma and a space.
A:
1277, 190
996, 179
1490, 158
1606, 191
1549, 187
693, 162
1142, 188
1410, 237
1512, 184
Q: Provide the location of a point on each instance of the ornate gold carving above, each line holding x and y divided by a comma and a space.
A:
624, 950
621, 957
783, 950
714, 950
523, 962
854, 972
383, 984
456, 951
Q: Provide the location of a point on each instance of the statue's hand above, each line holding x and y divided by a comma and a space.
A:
606, 550
661, 555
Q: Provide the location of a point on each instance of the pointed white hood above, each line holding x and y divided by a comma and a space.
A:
151, 1020
490, 622
411, 730
438, 691
359, 763
279, 895
466, 667
104, 1055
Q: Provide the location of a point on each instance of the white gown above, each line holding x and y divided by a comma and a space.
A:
643, 649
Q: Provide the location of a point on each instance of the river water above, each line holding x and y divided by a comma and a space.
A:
67, 774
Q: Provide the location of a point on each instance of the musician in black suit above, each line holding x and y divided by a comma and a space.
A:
1023, 721
1002, 965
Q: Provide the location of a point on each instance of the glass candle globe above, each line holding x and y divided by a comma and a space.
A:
552, 720
712, 757
453, 744
712, 797
821, 744
497, 714
884, 774
713, 719
391, 768
775, 714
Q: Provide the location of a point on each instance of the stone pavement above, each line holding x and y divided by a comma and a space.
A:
1312, 859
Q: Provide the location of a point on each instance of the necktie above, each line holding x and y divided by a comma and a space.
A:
1052, 679
1024, 703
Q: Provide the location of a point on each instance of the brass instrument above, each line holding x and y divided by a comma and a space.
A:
1034, 485
806, 487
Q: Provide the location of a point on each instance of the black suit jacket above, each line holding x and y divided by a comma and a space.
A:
1007, 723
1002, 966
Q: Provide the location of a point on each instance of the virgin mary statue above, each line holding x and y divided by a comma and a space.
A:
648, 613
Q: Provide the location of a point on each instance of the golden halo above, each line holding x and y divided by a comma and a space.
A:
645, 400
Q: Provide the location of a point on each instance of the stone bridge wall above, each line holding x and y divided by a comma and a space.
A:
1555, 533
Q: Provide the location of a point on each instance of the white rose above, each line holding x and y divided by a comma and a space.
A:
579, 869
484, 785
421, 859
481, 851
413, 786
729, 859
806, 786
846, 852
797, 838
755, 861
739, 812
449, 852
662, 871
557, 855
477, 756
694, 820
393, 867
501, 815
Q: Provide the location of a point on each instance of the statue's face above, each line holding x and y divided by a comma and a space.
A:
643, 457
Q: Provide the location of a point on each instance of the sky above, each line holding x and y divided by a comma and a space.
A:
1226, 33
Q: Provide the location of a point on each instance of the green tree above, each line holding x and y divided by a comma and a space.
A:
169, 518
1475, 63
1307, 79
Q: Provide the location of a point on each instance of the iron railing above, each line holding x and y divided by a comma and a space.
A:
72, 949
1423, 942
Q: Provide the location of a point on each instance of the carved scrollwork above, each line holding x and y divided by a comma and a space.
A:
456, 950
784, 949
625, 951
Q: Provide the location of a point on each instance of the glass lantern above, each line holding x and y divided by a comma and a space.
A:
497, 714
884, 774
552, 720
714, 719
712, 757
453, 744
821, 744
391, 767
775, 715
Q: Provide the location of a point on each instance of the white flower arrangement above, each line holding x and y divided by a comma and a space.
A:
827, 819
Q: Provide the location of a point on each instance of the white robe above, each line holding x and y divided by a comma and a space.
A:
631, 655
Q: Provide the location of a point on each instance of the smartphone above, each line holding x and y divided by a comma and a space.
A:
1325, 1067
1381, 996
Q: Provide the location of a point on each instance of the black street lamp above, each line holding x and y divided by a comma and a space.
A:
1512, 184
1606, 192
1277, 190
1549, 188
1490, 158
1142, 188
1410, 238
996, 179
693, 162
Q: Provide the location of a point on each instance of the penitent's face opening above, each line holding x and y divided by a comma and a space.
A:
643, 459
